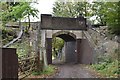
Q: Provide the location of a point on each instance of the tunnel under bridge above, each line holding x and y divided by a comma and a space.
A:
77, 46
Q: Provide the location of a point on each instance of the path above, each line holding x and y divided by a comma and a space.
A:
73, 71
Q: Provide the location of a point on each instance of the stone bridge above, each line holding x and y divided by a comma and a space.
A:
77, 46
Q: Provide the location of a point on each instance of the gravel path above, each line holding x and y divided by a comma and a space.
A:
73, 71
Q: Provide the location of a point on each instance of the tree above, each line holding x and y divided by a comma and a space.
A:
98, 9
102, 11
107, 13
70, 9
57, 44
114, 19
18, 11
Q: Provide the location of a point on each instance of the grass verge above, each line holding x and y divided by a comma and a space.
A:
109, 70
49, 71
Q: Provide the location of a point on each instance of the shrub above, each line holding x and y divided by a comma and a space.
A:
108, 69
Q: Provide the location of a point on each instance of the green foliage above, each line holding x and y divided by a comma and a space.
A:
106, 13
108, 69
7, 35
57, 44
36, 73
69, 9
104, 58
14, 12
17, 12
48, 71
98, 9
23, 48
108, 66
114, 19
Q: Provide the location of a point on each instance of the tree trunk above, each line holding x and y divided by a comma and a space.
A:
28, 22
118, 48
43, 48
37, 49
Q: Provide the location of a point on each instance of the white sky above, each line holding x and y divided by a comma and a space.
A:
44, 7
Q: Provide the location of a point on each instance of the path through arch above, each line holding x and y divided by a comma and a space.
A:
68, 52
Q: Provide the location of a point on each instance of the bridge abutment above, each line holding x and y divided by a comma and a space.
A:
49, 50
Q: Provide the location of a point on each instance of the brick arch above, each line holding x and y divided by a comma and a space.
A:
69, 45
65, 35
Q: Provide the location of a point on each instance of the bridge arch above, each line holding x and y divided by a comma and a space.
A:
74, 43
76, 26
65, 35
68, 53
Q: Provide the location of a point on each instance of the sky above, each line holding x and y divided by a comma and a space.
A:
44, 7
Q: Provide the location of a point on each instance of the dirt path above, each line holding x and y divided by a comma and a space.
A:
73, 71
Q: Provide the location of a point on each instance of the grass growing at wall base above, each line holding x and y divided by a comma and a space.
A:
48, 71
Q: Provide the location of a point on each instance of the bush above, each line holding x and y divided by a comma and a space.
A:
7, 35
107, 69
22, 48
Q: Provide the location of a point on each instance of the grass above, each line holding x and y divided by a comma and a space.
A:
48, 71
108, 66
110, 70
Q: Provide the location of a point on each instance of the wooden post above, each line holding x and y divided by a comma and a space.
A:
49, 50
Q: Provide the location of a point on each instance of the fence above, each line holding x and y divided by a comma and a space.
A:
27, 66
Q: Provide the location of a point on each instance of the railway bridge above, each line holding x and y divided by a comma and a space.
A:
71, 30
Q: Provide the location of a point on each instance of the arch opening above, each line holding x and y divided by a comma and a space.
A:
66, 51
